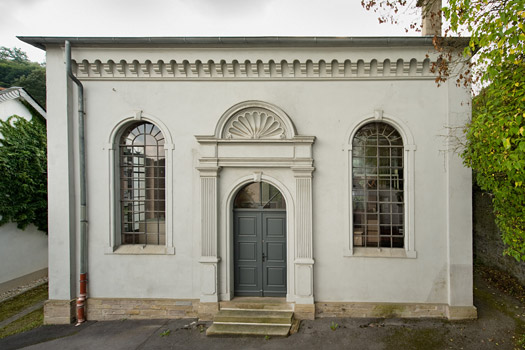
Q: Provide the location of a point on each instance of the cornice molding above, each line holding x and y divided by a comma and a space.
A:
254, 70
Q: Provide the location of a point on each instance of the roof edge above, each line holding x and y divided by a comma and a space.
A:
257, 41
17, 92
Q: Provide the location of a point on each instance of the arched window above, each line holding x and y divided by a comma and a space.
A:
377, 187
142, 165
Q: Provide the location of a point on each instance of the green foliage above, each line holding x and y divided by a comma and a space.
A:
35, 84
165, 333
496, 151
23, 169
14, 54
497, 30
17, 70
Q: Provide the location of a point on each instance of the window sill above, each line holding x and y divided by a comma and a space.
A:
141, 250
382, 253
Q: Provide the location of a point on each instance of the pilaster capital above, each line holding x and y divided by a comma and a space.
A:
209, 259
209, 171
303, 171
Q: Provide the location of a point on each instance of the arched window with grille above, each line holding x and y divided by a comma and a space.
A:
142, 169
378, 198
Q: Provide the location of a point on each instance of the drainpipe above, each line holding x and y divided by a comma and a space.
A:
81, 301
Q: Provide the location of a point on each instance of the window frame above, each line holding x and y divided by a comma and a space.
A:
374, 176
150, 187
409, 148
115, 245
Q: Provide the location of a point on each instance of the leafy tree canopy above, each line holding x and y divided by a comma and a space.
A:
23, 165
495, 138
14, 54
17, 70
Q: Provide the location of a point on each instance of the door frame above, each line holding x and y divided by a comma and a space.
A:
223, 159
228, 237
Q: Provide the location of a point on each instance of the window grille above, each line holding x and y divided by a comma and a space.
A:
142, 185
377, 187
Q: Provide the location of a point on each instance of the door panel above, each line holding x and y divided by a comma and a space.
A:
247, 253
274, 265
260, 253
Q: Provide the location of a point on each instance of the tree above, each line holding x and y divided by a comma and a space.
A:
23, 165
14, 54
496, 151
495, 142
17, 70
35, 84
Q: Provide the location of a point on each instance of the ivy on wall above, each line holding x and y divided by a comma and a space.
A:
23, 172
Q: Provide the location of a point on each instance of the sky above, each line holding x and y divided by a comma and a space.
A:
117, 18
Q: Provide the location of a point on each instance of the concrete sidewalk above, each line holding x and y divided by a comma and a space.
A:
500, 321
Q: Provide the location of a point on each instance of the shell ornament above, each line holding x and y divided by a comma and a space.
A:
255, 125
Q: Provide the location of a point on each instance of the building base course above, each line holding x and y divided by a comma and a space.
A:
107, 309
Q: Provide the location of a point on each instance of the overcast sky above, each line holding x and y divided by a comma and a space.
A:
185, 18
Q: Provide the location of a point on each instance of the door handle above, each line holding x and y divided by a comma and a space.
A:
263, 257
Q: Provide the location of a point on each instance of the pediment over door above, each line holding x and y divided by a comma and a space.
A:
256, 133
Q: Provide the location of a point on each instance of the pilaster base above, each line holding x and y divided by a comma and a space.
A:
304, 311
207, 311
209, 279
462, 312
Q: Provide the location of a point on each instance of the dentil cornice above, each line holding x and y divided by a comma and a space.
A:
254, 70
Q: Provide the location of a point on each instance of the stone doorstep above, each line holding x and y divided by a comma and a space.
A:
256, 306
247, 330
254, 317
251, 322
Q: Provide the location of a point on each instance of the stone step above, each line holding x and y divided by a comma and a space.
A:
233, 329
256, 304
254, 316
251, 322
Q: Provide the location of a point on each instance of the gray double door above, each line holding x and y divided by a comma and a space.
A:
260, 252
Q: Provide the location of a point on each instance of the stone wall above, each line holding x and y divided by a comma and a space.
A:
383, 310
488, 246
101, 309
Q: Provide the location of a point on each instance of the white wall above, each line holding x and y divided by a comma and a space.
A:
323, 108
12, 107
22, 252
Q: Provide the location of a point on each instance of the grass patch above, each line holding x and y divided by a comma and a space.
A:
29, 321
13, 306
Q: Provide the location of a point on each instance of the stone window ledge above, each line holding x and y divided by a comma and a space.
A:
382, 253
141, 250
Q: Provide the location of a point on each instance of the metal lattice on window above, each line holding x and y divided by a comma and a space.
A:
377, 187
142, 165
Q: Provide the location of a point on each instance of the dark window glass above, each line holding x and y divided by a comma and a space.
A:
142, 185
377, 187
259, 195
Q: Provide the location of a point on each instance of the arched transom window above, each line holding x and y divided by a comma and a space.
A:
377, 187
259, 195
142, 185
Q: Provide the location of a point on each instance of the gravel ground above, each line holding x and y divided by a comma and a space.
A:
20, 289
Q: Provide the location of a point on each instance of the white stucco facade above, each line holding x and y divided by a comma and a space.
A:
320, 95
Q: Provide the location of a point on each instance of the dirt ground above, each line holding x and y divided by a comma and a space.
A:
500, 325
